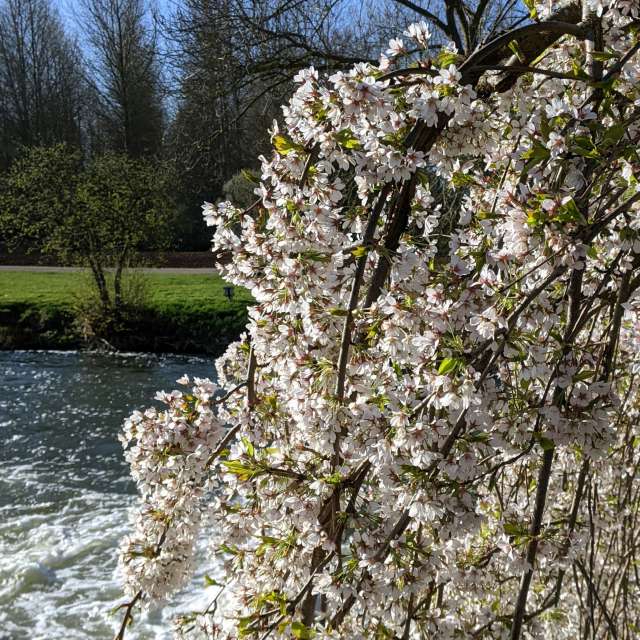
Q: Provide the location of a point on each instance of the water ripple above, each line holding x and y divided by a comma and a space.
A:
65, 496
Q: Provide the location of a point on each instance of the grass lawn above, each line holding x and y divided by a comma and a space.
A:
42, 289
193, 291
165, 292
182, 312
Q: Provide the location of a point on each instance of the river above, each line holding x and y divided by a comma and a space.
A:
65, 494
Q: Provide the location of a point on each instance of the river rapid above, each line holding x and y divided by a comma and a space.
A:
65, 494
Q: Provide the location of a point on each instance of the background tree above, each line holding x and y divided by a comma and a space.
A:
42, 92
99, 216
124, 67
240, 189
218, 126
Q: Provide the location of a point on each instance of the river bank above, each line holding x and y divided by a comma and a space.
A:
175, 313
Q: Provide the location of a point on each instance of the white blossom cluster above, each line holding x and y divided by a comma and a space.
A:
440, 415
168, 452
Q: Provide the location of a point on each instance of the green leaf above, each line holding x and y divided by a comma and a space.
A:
514, 46
446, 58
545, 126
334, 478
531, 5
240, 469
244, 625
314, 256
613, 135
535, 155
459, 179
477, 436
535, 217
569, 212
448, 365
513, 529
359, 252
301, 631
587, 374
248, 446
210, 582
225, 548
346, 139
381, 401
284, 145
584, 147
335, 311
282, 627
578, 71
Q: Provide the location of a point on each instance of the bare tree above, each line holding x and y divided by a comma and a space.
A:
271, 39
221, 116
41, 87
126, 79
234, 61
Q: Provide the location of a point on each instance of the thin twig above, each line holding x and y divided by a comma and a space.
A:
128, 615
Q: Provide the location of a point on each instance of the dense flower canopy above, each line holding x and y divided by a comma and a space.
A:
430, 428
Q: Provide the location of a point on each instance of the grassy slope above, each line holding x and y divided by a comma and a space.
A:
188, 310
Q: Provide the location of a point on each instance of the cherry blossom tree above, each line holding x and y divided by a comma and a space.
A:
430, 428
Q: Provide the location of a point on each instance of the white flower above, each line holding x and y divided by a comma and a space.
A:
396, 48
556, 107
419, 31
431, 319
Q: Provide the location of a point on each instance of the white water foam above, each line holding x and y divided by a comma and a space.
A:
65, 500
58, 576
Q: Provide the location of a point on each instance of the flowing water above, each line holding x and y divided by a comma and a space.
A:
65, 495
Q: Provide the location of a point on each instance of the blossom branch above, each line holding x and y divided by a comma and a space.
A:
128, 615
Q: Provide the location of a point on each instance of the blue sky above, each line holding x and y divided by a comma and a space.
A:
70, 12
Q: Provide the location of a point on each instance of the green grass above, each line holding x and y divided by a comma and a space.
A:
165, 291
181, 312
43, 289
193, 291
